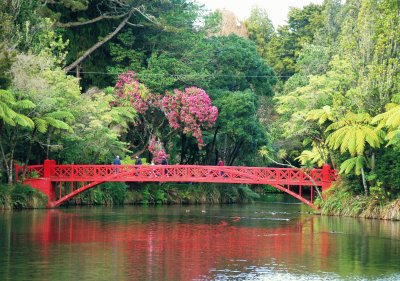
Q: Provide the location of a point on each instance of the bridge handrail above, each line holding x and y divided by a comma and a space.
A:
77, 172
31, 171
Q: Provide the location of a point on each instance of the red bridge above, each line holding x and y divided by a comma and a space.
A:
50, 177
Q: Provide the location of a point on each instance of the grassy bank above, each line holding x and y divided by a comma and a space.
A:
21, 197
24, 197
166, 193
341, 201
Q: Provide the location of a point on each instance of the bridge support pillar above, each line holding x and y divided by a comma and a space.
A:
44, 185
326, 178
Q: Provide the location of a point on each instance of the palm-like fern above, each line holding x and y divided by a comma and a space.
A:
355, 163
313, 156
391, 120
54, 119
321, 115
9, 107
353, 133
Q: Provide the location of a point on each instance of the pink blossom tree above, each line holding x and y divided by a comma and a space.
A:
191, 111
156, 148
187, 112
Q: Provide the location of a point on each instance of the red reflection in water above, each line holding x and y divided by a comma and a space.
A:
179, 251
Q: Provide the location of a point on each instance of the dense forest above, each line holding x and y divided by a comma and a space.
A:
82, 81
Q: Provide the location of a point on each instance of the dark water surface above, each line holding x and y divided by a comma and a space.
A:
272, 240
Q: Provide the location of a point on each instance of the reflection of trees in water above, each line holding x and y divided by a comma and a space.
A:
156, 248
175, 250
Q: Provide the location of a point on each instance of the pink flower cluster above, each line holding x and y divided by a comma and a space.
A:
190, 110
128, 88
156, 148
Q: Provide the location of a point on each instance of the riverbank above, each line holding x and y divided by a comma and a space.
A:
342, 201
25, 197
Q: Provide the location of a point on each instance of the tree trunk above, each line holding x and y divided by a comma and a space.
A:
235, 152
183, 148
208, 159
48, 143
364, 182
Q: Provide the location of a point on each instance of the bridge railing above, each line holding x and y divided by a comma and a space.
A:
189, 173
32, 171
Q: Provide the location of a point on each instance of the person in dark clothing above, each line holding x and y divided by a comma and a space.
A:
138, 161
117, 161
221, 163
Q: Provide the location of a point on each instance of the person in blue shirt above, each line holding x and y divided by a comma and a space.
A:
117, 161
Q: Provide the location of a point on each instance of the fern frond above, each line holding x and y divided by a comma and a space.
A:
350, 144
372, 137
360, 162
56, 123
24, 104
24, 121
41, 125
6, 111
359, 142
347, 166
66, 115
6, 96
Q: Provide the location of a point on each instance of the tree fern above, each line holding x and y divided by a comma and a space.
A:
23, 121
8, 105
312, 157
321, 115
354, 164
352, 134
24, 104
389, 119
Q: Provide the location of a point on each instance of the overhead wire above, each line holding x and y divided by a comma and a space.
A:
186, 75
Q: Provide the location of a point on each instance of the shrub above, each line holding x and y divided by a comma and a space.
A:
5, 196
26, 197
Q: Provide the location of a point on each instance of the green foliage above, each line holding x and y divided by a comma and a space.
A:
97, 130
352, 133
246, 194
286, 44
260, 29
116, 190
238, 67
337, 96
342, 201
241, 133
390, 120
5, 196
388, 170
24, 196
309, 158
9, 107
6, 60
356, 163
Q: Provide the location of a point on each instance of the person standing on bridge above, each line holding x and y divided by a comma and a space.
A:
220, 164
117, 161
138, 160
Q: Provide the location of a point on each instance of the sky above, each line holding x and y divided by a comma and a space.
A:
277, 9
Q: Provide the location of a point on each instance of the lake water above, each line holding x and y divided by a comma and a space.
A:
277, 239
